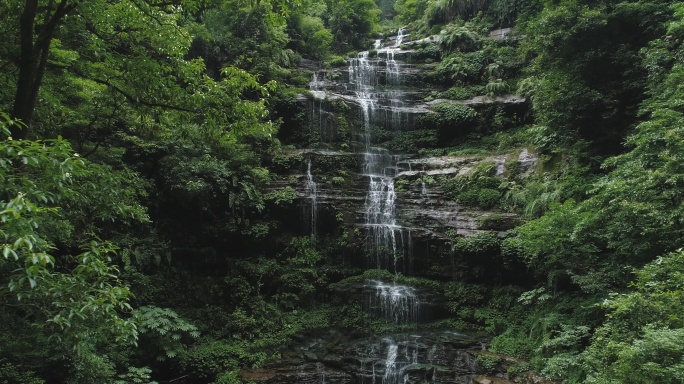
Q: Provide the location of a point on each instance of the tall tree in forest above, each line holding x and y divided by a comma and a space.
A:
38, 24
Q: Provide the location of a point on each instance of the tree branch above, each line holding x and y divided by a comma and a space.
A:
136, 100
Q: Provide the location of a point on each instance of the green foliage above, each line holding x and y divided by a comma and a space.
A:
412, 141
164, 329
54, 203
554, 243
457, 38
90, 368
426, 53
351, 23
476, 188
409, 10
312, 38
442, 11
463, 68
535, 195
479, 244
336, 61
190, 140
135, 376
210, 359
512, 343
300, 276
248, 37
217, 183
584, 241
589, 88
228, 378
281, 197
459, 93
485, 198
16, 374
460, 294
517, 369
451, 119
497, 87
488, 363
641, 340
35, 189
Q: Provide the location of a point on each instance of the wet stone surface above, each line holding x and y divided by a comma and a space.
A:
423, 356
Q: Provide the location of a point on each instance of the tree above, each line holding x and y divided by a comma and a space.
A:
106, 33
35, 38
76, 296
641, 341
352, 22
589, 88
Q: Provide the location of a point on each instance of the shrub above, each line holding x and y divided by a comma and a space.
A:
488, 363
461, 67
458, 38
488, 198
459, 93
336, 61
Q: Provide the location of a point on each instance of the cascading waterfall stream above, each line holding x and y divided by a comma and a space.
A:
375, 86
396, 303
383, 247
312, 191
318, 114
391, 374
387, 246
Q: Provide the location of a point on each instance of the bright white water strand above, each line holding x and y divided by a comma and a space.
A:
316, 84
363, 73
393, 69
397, 303
381, 109
400, 36
391, 373
381, 222
312, 191
367, 106
316, 87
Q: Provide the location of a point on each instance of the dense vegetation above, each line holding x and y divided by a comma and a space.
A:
142, 238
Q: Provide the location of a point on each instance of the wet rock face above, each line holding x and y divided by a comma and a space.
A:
437, 357
396, 303
422, 208
389, 212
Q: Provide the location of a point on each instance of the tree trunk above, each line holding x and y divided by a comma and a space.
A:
33, 60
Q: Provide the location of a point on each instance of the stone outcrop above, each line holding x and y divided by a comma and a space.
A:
422, 206
437, 356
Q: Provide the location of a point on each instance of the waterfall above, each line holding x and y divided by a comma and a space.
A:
400, 355
316, 84
365, 75
312, 192
400, 36
318, 114
386, 245
374, 85
391, 374
395, 303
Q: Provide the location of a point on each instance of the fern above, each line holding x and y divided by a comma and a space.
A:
167, 331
